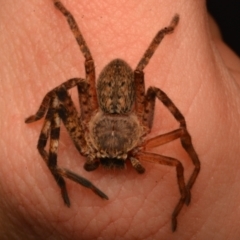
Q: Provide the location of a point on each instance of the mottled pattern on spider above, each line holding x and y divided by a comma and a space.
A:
116, 115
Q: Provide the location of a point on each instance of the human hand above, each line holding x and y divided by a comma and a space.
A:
193, 66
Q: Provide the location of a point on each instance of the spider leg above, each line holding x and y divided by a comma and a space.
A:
152, 157
59, 105
42, 109
52, 127
69, 116
155, 43
75, 29
46, 100
80, 180
51, 160
140, 97
163, 139
182, 132
91, 95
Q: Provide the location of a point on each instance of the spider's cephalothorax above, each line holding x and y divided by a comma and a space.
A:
115, 117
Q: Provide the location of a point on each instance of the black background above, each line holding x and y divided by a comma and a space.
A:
227, 15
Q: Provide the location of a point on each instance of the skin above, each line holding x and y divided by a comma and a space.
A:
193, 66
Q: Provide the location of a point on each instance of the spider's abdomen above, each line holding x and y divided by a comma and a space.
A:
115, 88
113, 136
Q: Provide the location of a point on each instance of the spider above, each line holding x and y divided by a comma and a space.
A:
116, 116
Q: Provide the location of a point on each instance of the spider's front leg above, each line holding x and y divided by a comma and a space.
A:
59, 105
155, 43
89, 63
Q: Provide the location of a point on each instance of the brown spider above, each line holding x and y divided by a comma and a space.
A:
116, 115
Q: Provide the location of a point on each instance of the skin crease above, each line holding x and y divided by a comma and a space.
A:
193, 66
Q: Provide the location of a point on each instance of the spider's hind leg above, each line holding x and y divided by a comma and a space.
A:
156, 158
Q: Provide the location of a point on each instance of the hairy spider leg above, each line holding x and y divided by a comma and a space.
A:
152, 157
140, 107
90, 97
50, 127
50, 95
59, 105
68, 113
144, 107
155, 43
182, 132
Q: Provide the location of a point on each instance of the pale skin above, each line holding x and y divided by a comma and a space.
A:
193, 66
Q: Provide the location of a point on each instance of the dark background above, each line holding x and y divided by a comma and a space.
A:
227, 15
